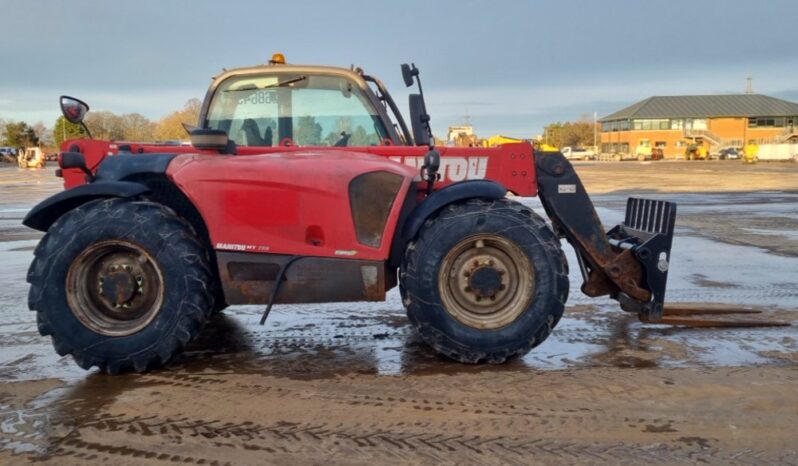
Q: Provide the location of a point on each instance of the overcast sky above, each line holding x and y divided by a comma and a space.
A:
512, 66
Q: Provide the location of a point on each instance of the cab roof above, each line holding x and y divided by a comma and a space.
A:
355, 74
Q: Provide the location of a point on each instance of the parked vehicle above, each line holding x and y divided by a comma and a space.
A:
751, 152
645, 151
31, 157
8, 154
695, 151
148, 241
578, 153
729, 153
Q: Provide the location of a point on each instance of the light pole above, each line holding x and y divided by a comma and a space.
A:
595, 132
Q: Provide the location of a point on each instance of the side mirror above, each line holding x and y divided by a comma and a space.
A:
211, 139
419, 120
68, 160
74, 110
408, 73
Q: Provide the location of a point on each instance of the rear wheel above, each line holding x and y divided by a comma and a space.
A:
120, 284
485, 281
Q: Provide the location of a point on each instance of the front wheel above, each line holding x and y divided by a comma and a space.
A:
484, 281
120, 284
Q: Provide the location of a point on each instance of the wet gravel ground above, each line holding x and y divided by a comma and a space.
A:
352, 384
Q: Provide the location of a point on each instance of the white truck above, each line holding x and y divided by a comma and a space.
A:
578, 153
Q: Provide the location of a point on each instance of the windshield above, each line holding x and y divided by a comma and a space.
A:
303, 109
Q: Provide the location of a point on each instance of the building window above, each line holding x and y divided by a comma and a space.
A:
649, 124
617, 125
660, 144
766, 122
681, 143
690, 123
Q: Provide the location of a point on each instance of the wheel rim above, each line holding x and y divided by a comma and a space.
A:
115, 288
486, 281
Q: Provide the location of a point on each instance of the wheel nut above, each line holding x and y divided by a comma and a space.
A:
467, 289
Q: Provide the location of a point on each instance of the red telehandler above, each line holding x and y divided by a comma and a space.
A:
303, 184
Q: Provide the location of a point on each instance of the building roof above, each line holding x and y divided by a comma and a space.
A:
706, 106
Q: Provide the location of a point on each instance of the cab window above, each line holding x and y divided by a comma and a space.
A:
303, 109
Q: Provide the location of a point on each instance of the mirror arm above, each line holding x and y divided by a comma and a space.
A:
89, 175
88, 133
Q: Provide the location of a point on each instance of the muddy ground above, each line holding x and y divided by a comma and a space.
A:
352, 384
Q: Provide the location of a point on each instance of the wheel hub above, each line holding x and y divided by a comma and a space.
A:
120, 286
115, 288
486, 281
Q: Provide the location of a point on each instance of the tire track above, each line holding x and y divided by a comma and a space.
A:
306, 440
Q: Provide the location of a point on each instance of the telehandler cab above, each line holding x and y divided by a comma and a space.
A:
303, 184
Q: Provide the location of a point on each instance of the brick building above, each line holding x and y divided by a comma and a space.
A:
717, 121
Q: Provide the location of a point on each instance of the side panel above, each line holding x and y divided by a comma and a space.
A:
512, 165
295, 203
251, 278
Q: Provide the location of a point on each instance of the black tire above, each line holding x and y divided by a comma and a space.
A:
184, 299
219, 304
423, 288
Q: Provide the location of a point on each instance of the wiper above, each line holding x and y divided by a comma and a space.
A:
253, 87
286, 82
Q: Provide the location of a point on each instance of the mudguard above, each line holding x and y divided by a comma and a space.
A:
414, 216
483, 189
51, 209
117, 176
